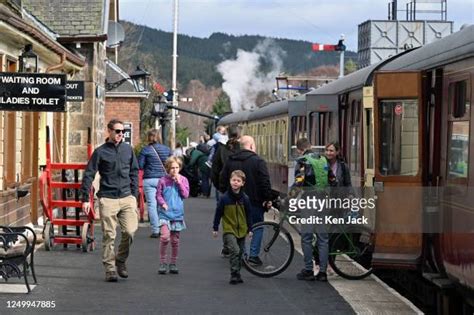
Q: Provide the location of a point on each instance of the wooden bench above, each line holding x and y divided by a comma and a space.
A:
17, 247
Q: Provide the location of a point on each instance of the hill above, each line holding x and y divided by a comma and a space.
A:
198, 57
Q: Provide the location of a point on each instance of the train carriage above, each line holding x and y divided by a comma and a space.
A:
423, 127
405, 128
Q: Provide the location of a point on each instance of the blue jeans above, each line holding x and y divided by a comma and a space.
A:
205, 185
149, 186
322, 241
256, 213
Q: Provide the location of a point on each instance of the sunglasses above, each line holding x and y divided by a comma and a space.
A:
119, 131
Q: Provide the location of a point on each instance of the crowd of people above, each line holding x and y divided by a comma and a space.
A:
239, 175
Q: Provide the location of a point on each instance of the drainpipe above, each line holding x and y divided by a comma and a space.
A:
58, 66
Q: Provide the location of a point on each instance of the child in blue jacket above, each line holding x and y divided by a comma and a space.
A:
171, 191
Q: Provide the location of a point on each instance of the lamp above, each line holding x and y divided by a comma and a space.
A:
139, 77
28, 60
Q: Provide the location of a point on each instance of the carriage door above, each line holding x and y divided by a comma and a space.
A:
457, 198
398, 170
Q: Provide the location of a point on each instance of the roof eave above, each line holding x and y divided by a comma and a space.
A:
82, 38
127, 94
32, 33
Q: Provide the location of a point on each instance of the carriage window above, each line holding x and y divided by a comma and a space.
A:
458, 150
459, 99
319, 125
354, 137
298, 131
458, 122
353, 112
398, 137
322, 129
284, 140
271, 141
369, 142
343, 121
264, 132
258, 129
313, 127
277, 144
354, 148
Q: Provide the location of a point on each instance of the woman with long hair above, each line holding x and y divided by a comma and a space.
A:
339, 175
151, 160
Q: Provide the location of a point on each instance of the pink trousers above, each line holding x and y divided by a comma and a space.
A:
166, 237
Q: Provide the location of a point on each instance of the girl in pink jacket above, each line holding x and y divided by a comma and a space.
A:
171, 191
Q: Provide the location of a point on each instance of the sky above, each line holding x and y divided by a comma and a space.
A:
317, 21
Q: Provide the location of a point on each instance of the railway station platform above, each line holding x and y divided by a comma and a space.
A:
74, 281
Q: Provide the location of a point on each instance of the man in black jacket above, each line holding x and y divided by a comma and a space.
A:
223, 152
221, 155
118, 169
257, 186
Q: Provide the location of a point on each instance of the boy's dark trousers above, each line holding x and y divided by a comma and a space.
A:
236, 249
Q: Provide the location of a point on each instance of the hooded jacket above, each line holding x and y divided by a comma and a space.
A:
234, 210
198, 158
220, 157
257, 183
172, 194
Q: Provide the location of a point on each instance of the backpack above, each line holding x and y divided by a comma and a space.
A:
321, 170
204, 148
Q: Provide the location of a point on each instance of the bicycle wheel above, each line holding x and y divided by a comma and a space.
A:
276, 251
350, 252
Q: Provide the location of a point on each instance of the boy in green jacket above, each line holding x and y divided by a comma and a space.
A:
234, 209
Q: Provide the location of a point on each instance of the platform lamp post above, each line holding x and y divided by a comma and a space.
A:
162, 114
174, 74
28, 60
139, 78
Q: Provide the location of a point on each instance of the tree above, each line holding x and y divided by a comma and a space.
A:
182, 133
147, 120
220, 107
350, 67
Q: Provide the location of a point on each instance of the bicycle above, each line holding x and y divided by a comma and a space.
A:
350, 249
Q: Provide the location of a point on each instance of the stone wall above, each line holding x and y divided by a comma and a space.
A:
91, 112
12, 211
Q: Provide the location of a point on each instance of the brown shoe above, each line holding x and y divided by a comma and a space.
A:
121, 269
111, 276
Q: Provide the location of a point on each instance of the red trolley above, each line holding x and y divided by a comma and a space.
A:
76, 228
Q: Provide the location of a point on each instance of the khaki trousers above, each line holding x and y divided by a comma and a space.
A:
124, 211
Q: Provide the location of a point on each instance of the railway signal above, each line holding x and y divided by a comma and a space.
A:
339, 47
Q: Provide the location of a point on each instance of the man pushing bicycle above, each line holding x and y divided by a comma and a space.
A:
312, 174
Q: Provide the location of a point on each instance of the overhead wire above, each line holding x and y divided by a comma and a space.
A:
143, 27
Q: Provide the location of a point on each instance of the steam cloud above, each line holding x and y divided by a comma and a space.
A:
244, 78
